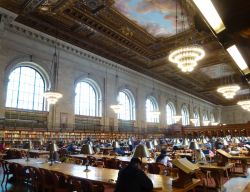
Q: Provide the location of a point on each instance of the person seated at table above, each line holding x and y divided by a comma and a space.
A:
133, 179
70, 148
119, 151
200, 156
163, 158
2, 146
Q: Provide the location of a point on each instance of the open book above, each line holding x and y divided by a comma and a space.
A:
224, 153
185, 165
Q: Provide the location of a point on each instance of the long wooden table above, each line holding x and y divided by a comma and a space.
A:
32, 152
103, 175
121, 158
217, 172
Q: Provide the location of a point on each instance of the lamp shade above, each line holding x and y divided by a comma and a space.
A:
236, 140
149, 145
130, 142
155, 142
141, 151
52, 147
30, 145
203, 141
87, 149
185, 142
194, 145
225, 143
116, 144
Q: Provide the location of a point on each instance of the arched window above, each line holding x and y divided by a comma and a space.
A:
205, 119
87, 98
126, 99
212, 119
170, 113
184, 115
25, 89
151, 107
197, 118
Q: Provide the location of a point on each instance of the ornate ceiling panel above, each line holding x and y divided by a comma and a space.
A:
138, 34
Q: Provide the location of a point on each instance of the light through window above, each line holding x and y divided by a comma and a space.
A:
197, 119
25, 89
185, 116
127, 111
151, 106
87, 99
170, 113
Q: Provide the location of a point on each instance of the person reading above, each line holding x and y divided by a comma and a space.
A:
133, 179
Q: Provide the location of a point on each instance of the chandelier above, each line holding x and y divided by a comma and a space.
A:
229, 91
177, 118
52, 96
116, 108
245, 104
155, 113
186, 57
194, 121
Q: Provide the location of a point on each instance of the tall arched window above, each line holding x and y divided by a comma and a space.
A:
170, 113
152, 106
197, 118
184, 115
126, 99
205, 119
87, 98
212, 119
25, 89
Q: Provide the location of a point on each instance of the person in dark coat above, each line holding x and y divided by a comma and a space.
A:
133, 179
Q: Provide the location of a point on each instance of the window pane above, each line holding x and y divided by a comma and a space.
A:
170, 113
127, 109
25, 89
151, 106
197, 117
86, 99
185, 116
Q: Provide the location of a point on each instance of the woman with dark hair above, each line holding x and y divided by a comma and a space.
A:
133, 179
164, 159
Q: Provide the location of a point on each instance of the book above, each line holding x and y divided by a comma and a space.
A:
224, 153
185, 165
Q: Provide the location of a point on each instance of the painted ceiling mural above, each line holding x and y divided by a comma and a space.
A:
156, 16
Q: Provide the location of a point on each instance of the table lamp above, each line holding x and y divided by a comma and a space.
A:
149, 145
194, 146
115, 144
224, 142
52, 148
141, 151
155, 142
29, 147
185, 142
87, 150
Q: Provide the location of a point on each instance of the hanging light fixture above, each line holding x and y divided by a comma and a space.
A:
194, 120
186, 56
52, 96
245, 104
177, 118
116, 107
228, 91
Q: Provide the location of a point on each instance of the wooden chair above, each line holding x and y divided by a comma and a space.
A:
153, 168
36, 178
61, 181
48, 180
172, 172
6, 171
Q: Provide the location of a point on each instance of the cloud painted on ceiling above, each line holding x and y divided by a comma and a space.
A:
156, 16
